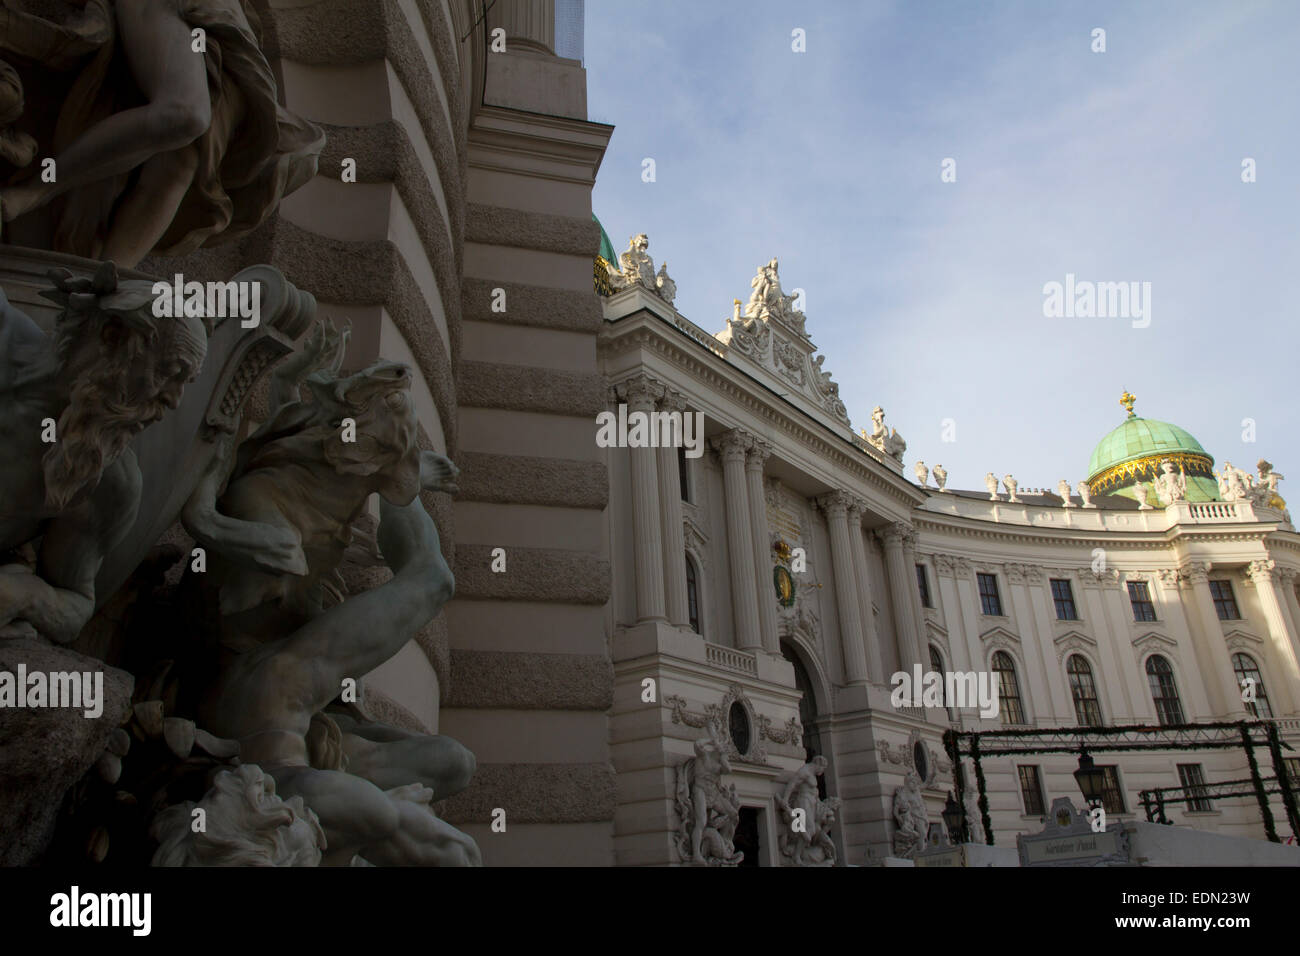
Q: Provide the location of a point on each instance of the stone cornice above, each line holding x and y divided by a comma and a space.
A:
702, 364
1091, 538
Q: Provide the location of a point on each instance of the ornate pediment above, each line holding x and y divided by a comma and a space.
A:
1153, 641
1074, 640
1242, 640
937, 633
771, 333
1000, 637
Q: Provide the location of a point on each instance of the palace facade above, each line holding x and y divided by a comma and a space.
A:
777, 584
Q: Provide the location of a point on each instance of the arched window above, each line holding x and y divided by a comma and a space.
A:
1248, 671
1087, 708
1164, 691
693, 595
936, 665
1008, 689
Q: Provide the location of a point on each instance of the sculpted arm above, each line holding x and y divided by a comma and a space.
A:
271, 548
60, 598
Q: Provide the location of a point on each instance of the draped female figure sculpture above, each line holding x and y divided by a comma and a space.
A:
169, 138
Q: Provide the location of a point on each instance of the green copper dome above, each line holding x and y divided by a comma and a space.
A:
1140, 438
606, 247
1134, 451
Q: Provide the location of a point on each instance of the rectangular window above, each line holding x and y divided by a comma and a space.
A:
1140, 597
1192, 777
1225, 602
683, 473
923, 585
1063, 598
1112, 797
990, 599
1031, 790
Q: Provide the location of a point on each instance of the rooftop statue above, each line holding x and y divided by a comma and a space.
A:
941, 477
1170, 487
1009, 482
922, 473
72, 402
636, 267
885, 439
991, 483
768, 300
1234, 483
186, 147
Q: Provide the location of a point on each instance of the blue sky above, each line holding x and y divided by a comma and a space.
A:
927, 297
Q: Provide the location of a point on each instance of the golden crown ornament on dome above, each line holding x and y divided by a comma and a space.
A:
1127, 400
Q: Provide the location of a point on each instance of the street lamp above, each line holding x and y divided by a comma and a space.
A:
952, 818
1090, 778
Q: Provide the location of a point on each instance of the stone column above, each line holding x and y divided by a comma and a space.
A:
670, 511
764, 589
1212, 653
901, 584
922, 649
836, 506
875, 664
732, 447
1291, 682
529, 24
641, 393
1286, 646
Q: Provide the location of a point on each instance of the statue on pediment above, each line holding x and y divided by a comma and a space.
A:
768, 300
882, 438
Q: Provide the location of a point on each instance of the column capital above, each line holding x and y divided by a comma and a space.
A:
1286, 575
1169, 577
673, 400
732, 445
857, 508
835, 504
944, 564
759, 452
896, 534
1195, 572
1261, 571
640, 392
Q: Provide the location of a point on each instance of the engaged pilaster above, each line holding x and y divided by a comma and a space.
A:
901, 585
670, 510
836, 506
733, 447
1225, 695
641, 393
1286, 645
759, 452
875, 663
